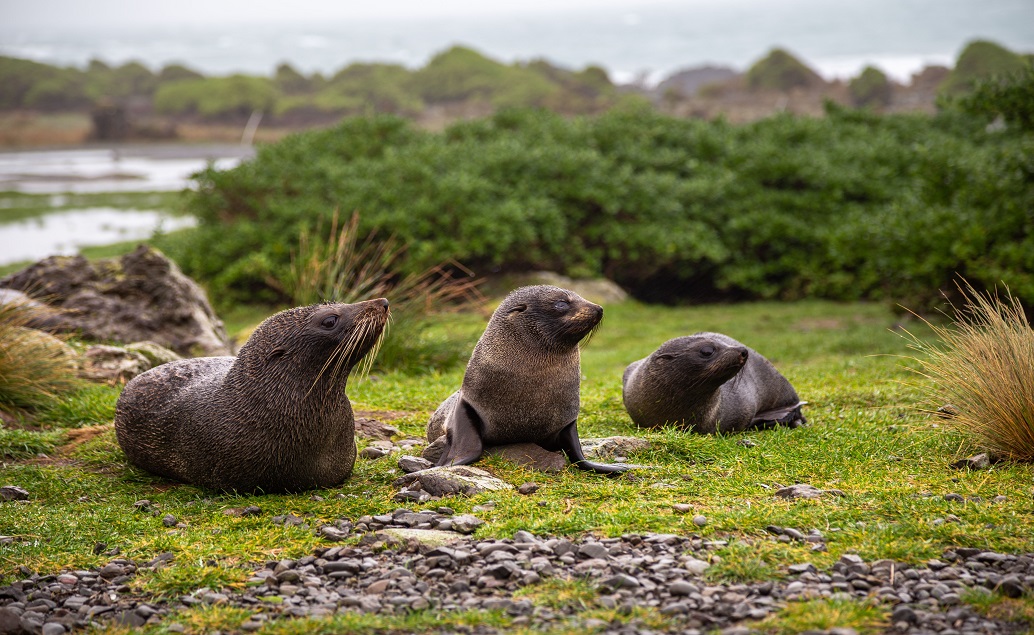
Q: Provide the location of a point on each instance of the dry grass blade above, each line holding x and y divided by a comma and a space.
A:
35, 367
341, 268
983, 364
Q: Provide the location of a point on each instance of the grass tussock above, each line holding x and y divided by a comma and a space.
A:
343, 268
35, 367
982, 363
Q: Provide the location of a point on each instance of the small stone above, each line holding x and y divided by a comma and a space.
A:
747, 443
695, 566
980, 461
142, 505
904, 613
593, 550
958, 498
13, 493
410, 464
948, 411
53, 628
682, 508
1011, 586
169, 520
373, 453
803, 490
528, 488
465, 523
333, 533
378, 587
700, 520
804, 567
681, 587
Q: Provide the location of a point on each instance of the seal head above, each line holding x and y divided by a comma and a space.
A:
522, 382
708, 382
275, 418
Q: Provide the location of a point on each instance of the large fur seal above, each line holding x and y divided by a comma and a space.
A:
710, 383
275, 418
522, 381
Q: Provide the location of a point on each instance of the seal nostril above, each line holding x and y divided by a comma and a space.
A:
384, 302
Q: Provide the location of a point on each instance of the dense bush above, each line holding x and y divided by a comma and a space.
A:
871, 88
849, 206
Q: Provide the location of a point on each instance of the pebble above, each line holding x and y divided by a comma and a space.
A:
700, 520
662, 572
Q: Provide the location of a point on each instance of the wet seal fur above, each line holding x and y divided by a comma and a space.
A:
710, 383
522, 382
275, 418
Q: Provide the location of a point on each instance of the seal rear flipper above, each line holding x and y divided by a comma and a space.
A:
788, 416
568, 441
463, 443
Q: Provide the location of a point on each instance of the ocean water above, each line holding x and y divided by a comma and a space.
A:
643, 41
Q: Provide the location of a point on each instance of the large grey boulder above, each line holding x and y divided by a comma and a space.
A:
141, 296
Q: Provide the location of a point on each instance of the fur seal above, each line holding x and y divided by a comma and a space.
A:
710, 383
275, 418
521, 384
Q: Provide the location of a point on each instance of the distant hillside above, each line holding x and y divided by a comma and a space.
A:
132, 101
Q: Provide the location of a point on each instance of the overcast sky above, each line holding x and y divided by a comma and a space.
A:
77, 13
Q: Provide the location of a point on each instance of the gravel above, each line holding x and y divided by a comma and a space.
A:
392, 576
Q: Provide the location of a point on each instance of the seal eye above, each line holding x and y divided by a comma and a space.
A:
561, 306
707, 351
329, 322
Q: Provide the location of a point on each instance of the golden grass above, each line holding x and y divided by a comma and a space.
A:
35, 367
983, 365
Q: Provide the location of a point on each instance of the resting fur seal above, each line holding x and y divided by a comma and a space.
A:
710, 383
521, 384
275, 418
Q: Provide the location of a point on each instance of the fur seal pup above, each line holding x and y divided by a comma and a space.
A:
711, 383
275, 418
521, 384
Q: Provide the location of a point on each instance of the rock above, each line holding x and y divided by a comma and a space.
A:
169, 520
593, 550
433, 452
10, 622
112, 364
607, 447
904, 613
156, 354
528, 488
56, 628
531, 455
452, 480
374, 429
372, 453
410, 464
980, 461
465, 523
1011, 586
141, 296
948, 411
804, 490
695, 566
747, 443
700, 520
682, 508
429, 537
333, 533
13, 493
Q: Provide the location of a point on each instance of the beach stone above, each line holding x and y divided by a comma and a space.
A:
804, 490
452, 480
103, 363
140, 296
368, 428
609, 447
13, 493
433, 451
980, 461
430, 537
528, 488
410, 464
155, 353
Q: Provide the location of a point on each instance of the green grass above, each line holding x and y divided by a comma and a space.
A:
865, 436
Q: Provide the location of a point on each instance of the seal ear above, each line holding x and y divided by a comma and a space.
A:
463, 443
275, 354
520, 308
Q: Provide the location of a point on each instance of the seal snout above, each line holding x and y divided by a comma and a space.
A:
743, 356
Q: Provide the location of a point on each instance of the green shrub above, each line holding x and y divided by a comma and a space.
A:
234, 96
850, 206
1010, 97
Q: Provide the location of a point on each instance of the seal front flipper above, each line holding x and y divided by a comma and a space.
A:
463, 444
787, 415
568, 441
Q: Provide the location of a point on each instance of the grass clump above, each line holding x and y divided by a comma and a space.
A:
35, 367
824, 614
982, 364
343, 268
